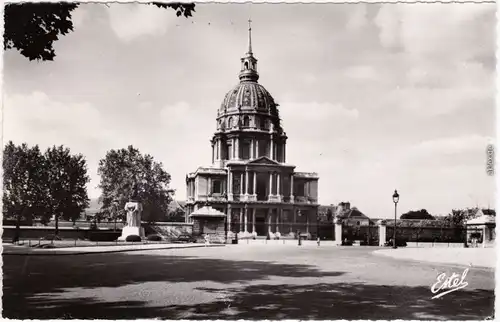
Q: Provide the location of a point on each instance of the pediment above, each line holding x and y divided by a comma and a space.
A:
263, 161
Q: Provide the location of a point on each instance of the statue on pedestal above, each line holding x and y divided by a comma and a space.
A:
134, 209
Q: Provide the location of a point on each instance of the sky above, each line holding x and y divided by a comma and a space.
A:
373, 97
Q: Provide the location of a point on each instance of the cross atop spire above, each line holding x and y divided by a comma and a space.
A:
248, 70
249, 36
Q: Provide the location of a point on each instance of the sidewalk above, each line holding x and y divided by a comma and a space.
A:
9, 249
479, 257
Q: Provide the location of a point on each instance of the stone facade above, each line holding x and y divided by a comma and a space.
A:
250, 179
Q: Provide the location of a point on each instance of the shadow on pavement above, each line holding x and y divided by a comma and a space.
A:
27, 278
318, 301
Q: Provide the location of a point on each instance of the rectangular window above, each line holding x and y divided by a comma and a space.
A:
262, 148
245, 151
216, 186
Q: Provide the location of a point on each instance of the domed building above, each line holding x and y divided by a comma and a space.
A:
250, 184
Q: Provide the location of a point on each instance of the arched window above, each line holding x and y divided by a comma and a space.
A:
230, 122
246, 121
263, 123
246, 65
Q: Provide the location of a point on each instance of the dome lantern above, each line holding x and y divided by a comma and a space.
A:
249, 62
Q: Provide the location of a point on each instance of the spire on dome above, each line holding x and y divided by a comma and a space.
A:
250, 36
249, 63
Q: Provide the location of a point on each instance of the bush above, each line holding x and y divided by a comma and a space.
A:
154, 238
133, 238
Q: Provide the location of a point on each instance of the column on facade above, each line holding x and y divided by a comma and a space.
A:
284, 152
278, 182
246, 219
209, 188
278, 215
270, 183
253, 220
219, 149
257, 154
246, 182
241, 219
269, 215
252, 151
230, 183
229, 215
291, 188
271, 148
233, 148
254, 190
196, 192
237, 156
241, 183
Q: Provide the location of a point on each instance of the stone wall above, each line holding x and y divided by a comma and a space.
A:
34, 232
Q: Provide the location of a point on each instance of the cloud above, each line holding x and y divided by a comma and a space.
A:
361, 72
316, 111
38, 119
438, 30
358, 18
452, 145
132, 21
188, 130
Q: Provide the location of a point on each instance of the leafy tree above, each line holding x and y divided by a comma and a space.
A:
419, 214
24, 179
459, 217
176, 215
66, 184
122, 172
32, 28
329, 215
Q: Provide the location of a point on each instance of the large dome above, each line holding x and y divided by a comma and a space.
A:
247, 96
248, 105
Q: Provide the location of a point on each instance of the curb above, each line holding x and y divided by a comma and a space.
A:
63, 253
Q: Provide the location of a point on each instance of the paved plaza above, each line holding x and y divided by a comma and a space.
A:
239, 282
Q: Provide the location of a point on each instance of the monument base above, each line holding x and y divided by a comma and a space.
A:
127, 231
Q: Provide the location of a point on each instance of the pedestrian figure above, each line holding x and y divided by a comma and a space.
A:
207, 240
318, 241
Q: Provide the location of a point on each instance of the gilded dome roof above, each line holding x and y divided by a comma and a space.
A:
247, 95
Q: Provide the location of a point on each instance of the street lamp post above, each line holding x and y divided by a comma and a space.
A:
317, 228
395, 198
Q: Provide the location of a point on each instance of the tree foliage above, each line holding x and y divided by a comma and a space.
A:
122, 172
177, 215
418, 214
24, 177
32, 28
40, 185
66, 184
458, 217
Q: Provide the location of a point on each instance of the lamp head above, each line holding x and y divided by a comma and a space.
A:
395, 196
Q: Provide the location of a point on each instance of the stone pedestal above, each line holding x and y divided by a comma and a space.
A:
338, 232
127, 231
133, 227
382, 232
